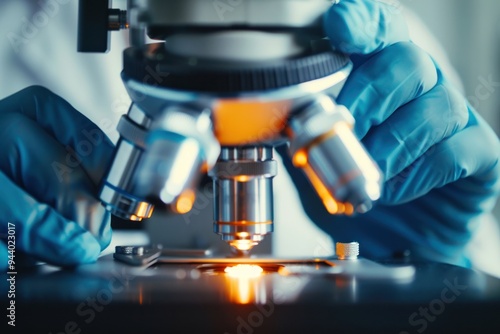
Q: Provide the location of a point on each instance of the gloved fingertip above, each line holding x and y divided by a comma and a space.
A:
364, 27
106, 236
336, 26
82, 250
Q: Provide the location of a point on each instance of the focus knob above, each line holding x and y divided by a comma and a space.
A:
95, 20
347, 250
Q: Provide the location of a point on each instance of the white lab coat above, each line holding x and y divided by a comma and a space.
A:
38, 46
38, 42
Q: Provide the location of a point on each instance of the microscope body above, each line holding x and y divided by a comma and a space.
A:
232, 80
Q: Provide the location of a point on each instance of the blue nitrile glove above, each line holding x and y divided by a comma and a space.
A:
51, 162
439, 158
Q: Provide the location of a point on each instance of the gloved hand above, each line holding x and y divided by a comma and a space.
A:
51, 162
439, 158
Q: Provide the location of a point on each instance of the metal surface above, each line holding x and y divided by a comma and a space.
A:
183, 135
130, 250
323, 145
146, 258
184, 298
236, 45
154, 97
118, 192
117, 19
250, 13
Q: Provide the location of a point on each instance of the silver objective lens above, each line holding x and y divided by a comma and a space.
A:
243, 189
161, 161
117, 193
323, 145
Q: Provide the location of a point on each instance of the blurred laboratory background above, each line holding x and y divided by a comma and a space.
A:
469, 32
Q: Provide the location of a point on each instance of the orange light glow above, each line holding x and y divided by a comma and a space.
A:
242, 178
141, 297
329, 202
244, 283
244, 271
238, 122
349, 209
243, 245
185, 202
144, 210
300, 159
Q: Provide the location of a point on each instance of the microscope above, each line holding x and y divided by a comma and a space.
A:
225, 83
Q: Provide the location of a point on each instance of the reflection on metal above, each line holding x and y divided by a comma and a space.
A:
141, 295
242, 246
265, 263
184, 203
267, 281
245, 290
318, 266
346, 288
339, 168
244, 284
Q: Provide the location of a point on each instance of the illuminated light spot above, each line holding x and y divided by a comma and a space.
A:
283, 271
185, 202
244, 121
143, 211
180, 274
349, 209
242, 178
244, 271
300, 159
341, 208
243, 245
330, 205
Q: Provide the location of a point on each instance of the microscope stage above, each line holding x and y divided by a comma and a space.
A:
196, 294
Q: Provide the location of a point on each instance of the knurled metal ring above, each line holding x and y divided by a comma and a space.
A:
231, 169
132, 132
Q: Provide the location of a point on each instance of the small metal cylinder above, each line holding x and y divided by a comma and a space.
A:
243, 195
117, 19
347, 250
